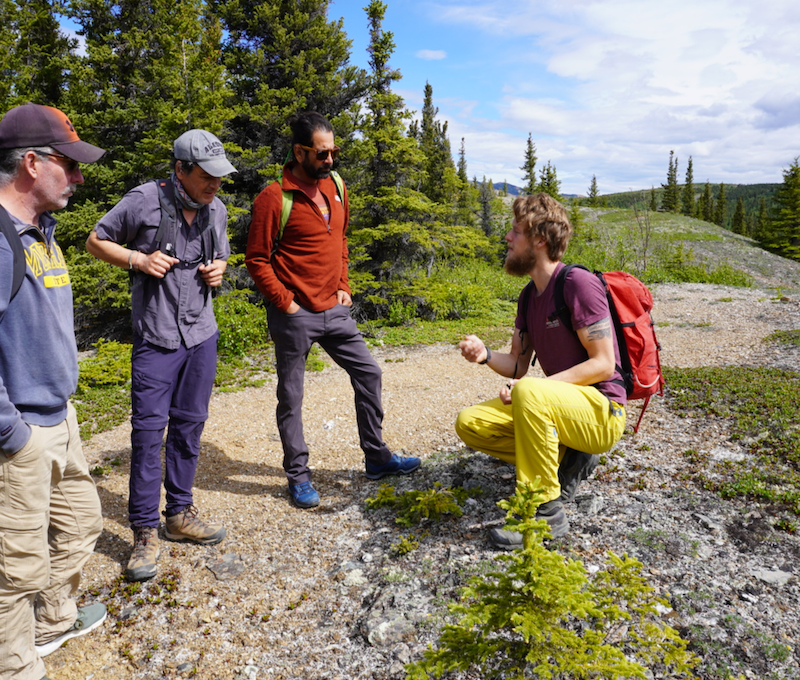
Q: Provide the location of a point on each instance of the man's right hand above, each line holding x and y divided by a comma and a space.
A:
293, 308
155, 264
472, 348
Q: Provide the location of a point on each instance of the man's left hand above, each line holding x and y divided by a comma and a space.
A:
212, 273
343, 298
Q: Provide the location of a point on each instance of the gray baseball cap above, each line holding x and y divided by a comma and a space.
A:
203, 148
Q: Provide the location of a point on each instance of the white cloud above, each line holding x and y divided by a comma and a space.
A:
716, 80
432, 55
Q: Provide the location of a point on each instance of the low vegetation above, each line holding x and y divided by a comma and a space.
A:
538, 614
475, 296
760, 406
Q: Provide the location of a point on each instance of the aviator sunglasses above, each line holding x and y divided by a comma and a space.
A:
322, 155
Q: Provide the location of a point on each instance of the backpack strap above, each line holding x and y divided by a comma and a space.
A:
167, 228
11, 234
564, 314
287, 202
562, 311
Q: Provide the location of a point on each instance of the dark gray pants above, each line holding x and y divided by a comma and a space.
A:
338, 335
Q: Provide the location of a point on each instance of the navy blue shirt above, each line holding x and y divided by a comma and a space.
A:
38, 353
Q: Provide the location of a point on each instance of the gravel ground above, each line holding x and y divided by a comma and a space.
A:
318, 594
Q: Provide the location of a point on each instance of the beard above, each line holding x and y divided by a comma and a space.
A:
321, 172
520, 264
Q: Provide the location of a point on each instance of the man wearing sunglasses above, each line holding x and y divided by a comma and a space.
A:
303, 274
50, 515
171, 236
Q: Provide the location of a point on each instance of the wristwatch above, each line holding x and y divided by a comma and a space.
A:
488, 356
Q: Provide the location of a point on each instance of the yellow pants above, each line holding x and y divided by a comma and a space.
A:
544, 417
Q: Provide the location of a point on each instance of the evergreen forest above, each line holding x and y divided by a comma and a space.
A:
425, 239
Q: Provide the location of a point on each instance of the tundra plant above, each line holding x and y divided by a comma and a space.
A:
538, 615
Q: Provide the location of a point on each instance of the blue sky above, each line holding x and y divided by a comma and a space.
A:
606, 87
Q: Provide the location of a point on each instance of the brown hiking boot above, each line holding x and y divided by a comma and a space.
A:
142, 564
185, 526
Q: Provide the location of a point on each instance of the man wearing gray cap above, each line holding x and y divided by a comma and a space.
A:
49, 509
171, 236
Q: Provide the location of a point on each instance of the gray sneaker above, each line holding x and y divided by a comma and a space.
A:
551, 512
574, 468
89, 618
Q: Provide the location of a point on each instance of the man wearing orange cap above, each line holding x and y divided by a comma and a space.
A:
49, 509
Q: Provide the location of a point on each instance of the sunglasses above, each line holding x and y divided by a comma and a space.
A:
70, 164
322, 155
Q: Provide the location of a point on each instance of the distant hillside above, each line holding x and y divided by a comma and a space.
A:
707, 243
513, 190
751, 195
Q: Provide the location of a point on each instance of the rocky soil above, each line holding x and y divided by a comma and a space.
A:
321, 594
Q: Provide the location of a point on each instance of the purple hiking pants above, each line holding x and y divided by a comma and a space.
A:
168, 387
337, 333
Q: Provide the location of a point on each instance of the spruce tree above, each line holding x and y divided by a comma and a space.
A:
705, 205
653, 204
397, 234
462, 162
150, 73
548, 181
760, 225
529, 168
440, 179
671, 197
34, 55
467, 192
284, 57
784, 224
687, 198
720, 207
592, 195
739, 222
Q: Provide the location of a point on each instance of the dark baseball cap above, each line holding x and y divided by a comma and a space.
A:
35, 125
205, 149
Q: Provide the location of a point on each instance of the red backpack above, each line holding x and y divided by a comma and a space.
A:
629, 302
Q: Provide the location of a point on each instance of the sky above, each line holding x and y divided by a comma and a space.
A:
604, 87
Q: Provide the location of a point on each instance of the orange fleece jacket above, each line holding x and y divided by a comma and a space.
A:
310, 264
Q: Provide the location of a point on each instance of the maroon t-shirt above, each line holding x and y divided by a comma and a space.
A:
557, 346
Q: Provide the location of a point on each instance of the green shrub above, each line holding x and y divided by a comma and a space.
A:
314, 361
111, 365
102, 399
413, 507
785, 337
97, 284
762, 407
539, 616
401, 314
242, 325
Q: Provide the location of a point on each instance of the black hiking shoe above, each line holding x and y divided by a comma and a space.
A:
574, 468
551, 512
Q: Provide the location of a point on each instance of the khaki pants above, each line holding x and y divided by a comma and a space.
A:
49, 523
543, 418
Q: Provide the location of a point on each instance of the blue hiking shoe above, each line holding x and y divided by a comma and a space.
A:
397, 465
304, 495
